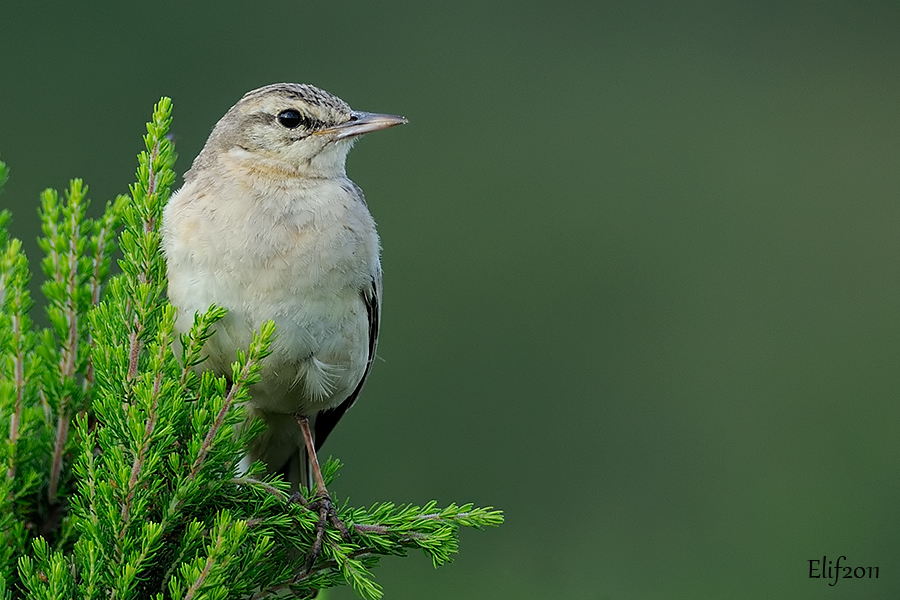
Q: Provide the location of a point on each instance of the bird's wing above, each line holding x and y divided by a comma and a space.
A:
326, 420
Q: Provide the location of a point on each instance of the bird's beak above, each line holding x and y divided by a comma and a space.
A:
362, 122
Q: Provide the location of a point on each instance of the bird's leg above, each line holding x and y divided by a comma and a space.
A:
322, 501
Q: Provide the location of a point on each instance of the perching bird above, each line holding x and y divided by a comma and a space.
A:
268, 226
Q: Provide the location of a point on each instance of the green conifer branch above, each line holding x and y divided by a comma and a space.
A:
144, 499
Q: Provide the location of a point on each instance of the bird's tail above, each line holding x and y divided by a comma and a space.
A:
298, 470
282, 448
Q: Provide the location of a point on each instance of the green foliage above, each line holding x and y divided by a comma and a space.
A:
119, 474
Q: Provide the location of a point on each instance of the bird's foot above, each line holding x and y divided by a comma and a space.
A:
322, 504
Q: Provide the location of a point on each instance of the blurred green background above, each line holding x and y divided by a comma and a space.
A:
641, 264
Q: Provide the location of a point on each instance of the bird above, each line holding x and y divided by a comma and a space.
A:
268, 226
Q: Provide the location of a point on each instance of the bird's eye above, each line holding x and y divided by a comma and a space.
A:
290, 118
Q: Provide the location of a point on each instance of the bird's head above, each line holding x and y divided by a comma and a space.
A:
292, 129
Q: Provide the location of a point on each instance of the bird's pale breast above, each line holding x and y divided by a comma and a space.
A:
300, 257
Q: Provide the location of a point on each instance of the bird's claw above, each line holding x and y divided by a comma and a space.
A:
323, 505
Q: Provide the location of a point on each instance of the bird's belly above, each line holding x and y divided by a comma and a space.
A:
321, 347
300, 261
318, 356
